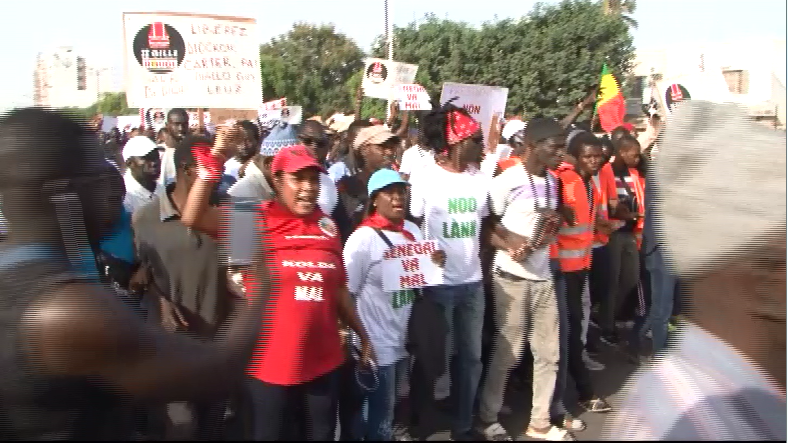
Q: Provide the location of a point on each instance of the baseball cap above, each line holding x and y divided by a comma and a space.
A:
539, 129
383, 178
374, 135
138, 146
511, 128
293, 159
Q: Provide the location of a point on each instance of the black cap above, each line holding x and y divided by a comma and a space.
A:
539, 129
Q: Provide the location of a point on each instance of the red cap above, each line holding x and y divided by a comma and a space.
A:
293, 159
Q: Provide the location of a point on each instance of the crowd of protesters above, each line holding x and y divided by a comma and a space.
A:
170, 284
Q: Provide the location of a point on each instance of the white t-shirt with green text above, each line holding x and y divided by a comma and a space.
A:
452, 207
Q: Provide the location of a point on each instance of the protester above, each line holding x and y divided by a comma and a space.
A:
574, 243
373, 149
725, 378
524, 296
452, 214
177, 128
250, 147
416, 156
313, 135
300, 355
624, 243
385, 315
143, 166
346, 163
92, 354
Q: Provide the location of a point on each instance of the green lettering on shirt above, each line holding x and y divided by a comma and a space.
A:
402, 298
462, 205
462, 229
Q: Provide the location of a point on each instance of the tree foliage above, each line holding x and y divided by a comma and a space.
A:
311, 65
548, 59
111, 103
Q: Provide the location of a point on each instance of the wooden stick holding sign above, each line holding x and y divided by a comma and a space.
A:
411, 266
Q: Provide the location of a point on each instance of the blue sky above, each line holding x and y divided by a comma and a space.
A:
93, 27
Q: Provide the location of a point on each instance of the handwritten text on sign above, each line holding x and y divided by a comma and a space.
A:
191, 61
413, 97
410, 266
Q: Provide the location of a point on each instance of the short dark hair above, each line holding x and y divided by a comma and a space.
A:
580, 140
250, 129
618, 133
184, 155
180, 111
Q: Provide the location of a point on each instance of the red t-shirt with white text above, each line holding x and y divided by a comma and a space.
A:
300, 338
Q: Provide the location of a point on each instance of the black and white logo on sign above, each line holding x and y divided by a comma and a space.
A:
159, 48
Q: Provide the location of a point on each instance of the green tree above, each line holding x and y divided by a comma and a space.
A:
111, 103
549, 59
623, 9
311, 66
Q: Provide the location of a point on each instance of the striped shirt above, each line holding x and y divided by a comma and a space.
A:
703, 390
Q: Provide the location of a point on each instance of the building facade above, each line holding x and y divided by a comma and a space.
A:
751, 72
63, 78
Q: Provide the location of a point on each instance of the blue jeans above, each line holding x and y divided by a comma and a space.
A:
464, 307
377, 414
664, 287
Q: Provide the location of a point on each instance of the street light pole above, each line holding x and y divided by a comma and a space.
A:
390, 42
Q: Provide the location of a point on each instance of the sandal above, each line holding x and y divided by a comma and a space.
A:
570, 423
553, 434
597, 405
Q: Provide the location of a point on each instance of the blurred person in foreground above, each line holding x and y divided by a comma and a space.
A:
725, 378
75, 360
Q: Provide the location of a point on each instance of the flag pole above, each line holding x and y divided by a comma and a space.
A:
596, 98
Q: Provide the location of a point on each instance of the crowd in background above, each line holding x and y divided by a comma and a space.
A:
247, 265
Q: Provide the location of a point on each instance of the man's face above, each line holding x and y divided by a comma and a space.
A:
178, 125
551, 151
145, 169
315, 138
379, 156
590, 159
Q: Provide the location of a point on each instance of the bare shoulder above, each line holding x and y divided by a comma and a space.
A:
79, 328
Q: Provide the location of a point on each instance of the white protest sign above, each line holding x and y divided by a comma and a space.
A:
109, 122
194, 117
126, 122
292, 115
380, 77
181, 60
267, 118
413, 97
274, 104
410, 266
481, 102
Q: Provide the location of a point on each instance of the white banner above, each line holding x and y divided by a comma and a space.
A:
267, 118
410, 266
481, 102
181, 60
380, 77
274, 104
126, 122
413, 97
194, 118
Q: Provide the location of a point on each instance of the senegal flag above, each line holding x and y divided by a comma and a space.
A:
610, 105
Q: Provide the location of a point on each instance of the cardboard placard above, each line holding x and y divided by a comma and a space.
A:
413, 97
481, 101
219, 116
274, 104
181, 60
410, 266
268, 118
292, 115
380, 77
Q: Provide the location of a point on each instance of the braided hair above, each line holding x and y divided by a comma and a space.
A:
434, 122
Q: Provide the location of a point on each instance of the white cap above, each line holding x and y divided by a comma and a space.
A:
138, 146
512, 127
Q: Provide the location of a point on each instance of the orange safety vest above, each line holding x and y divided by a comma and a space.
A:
604, 182
575, 242
508, 163
639, 187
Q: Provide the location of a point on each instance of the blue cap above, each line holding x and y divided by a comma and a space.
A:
383, 178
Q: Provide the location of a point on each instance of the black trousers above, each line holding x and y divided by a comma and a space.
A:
273, 406
350, 401
574, 282
599, 276
422, 401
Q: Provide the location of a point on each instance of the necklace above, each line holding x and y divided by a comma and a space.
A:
533, 189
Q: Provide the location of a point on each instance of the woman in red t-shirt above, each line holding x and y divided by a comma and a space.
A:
299, 351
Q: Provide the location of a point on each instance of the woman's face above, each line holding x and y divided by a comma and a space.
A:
298, 190
390, 201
